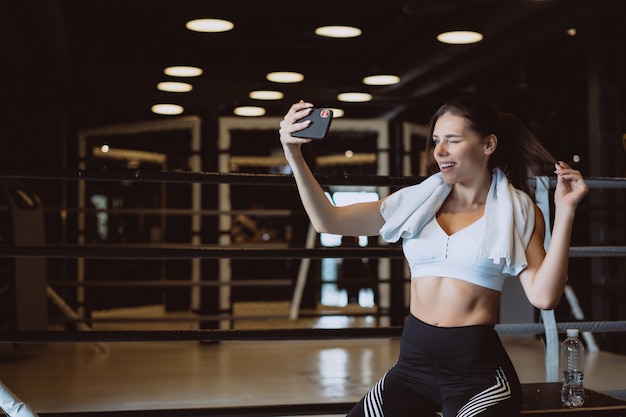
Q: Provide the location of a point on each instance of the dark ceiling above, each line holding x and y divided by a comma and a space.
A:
104, 58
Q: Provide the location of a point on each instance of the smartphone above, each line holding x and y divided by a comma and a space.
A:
320, 123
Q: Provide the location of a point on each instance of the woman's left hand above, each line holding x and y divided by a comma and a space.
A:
570, 187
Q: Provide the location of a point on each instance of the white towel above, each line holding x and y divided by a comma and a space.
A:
13, 406
509, 217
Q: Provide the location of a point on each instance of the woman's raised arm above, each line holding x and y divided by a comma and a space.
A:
545, 277
361, 219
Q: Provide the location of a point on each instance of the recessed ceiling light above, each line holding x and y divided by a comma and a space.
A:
572, 31
266, 95
338, 31
460, 37
285, 77
249, 111
167, 109
183, 71
337, 112
209, 25
354, 97
174, 86
383, 79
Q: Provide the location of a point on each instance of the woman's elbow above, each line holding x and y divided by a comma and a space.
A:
325, 226
546, 306
545, 303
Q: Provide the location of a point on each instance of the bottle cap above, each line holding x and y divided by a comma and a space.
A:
572, 332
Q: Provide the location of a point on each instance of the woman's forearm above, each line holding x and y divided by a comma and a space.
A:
317, 205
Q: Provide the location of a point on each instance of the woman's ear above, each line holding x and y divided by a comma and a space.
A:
491, 143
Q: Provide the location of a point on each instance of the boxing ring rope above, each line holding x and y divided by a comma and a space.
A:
251, 179
181, 252
276, 334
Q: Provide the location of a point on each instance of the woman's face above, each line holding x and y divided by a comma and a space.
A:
461, 154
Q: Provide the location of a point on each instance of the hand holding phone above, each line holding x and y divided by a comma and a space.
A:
320, 123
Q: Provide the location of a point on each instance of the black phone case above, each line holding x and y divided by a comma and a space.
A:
320, 123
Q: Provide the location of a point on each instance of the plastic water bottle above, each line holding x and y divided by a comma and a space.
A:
572, 370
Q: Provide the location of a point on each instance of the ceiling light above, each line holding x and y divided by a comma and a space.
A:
174, 87
167, 109
249, 111
337, 112
183, 71
266, 95
460, 37
209, 25
572, 31
354, 97
381, 79
338, 31
285, 77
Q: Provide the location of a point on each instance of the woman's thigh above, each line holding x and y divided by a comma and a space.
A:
395, 395
497, 394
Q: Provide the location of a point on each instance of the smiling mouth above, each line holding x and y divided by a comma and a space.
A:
447, 165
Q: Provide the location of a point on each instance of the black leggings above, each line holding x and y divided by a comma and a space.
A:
462, 371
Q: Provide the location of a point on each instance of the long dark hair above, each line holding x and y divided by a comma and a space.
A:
519, 154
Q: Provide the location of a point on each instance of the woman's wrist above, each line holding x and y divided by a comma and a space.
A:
565, 211
292, 152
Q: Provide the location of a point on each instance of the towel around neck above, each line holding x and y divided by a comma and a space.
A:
509, 217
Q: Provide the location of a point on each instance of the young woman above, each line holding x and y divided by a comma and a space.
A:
463, 230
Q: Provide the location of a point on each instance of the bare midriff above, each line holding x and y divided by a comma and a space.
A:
450, 302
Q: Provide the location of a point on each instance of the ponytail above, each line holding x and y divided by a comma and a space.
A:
519, 153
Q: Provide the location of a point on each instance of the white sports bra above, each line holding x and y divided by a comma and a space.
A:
433, 252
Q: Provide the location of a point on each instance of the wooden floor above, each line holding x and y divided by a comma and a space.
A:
74, 377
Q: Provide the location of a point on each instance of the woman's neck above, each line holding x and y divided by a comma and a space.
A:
474, 194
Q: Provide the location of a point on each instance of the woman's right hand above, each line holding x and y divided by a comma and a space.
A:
290, 124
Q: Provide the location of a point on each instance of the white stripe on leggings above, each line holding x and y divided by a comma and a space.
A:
493, 395
373, 403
